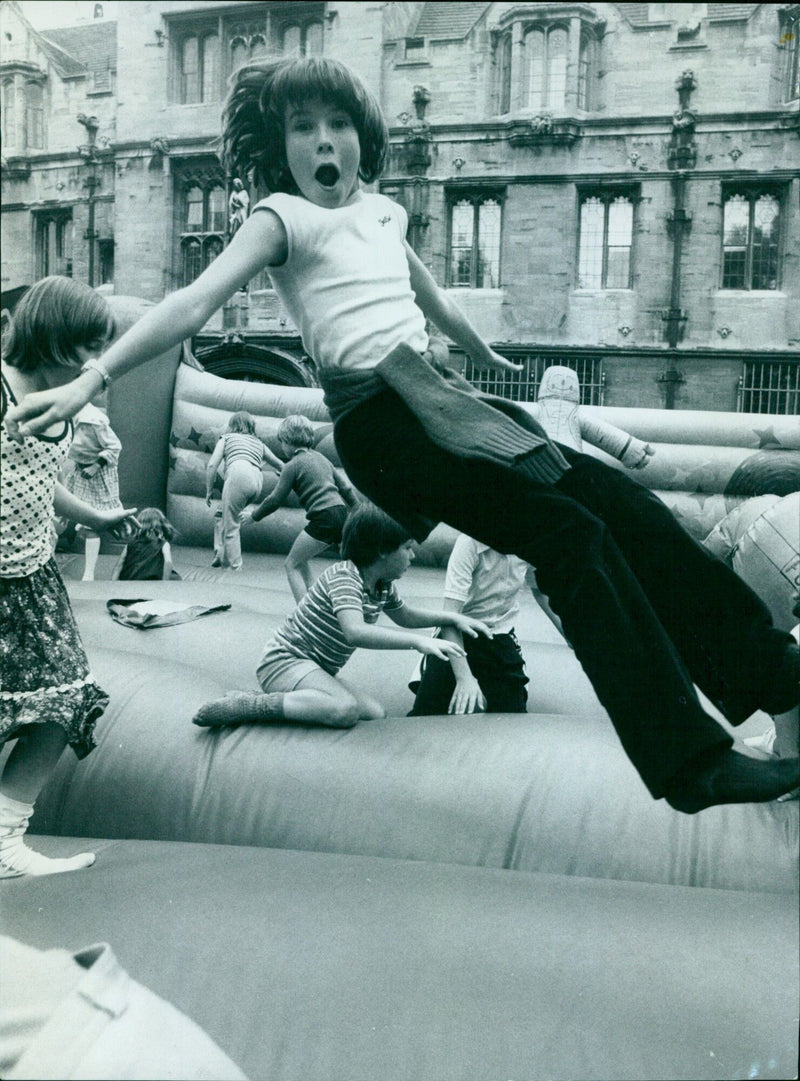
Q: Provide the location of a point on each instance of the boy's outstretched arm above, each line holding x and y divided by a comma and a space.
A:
369, 636
449, 318
276, 498
449, 617
259, 242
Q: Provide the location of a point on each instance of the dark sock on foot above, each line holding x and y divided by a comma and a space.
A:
722, 775
240, 706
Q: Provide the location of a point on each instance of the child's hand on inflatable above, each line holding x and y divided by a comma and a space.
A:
467, 697
119, 524
208, 499
470, 626
247, 513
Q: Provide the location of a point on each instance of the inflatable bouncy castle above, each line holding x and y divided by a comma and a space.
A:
458, 897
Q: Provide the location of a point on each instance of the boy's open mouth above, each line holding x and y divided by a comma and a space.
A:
327, 175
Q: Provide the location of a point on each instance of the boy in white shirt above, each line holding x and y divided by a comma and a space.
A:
490, 674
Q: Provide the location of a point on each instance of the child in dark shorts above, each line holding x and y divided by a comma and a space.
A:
324, 494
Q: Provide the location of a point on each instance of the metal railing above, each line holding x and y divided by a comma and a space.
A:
769, 386
524, 386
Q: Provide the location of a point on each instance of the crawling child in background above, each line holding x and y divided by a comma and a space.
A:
91, 475
559, 412
324, 493
298, 670
489, 676
241, 453
148, 555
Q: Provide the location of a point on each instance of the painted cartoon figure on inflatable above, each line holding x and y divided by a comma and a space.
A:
559, 412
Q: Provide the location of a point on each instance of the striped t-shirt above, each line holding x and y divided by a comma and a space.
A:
243, 447
313, 630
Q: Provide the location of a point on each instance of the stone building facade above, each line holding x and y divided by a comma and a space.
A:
612, 186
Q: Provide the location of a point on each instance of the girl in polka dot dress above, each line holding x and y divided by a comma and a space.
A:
48, 696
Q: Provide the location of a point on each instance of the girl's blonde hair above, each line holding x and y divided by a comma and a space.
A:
55, 316
254, 116
154, 525
297, 431
242, 422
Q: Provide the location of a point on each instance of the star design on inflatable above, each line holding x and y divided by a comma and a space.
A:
194, 436
173, 440
173, 460
767, 437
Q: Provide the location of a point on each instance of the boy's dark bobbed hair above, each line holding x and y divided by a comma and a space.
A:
369, 533
253, 117
52, 318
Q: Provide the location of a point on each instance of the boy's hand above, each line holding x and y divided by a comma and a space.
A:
438, 647
119, 524
470, 626
467, 697
493, 360
247, 513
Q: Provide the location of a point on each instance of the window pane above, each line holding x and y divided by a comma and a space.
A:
461, 235
488, 273
194, 210
190, 72
585, 72
239, 52
314, 39
212, 248
736, 222
620, 236
504, 74
210, 67
291, 41
766, 215
216, 211
556, 68
34, 119
192, 260
534, 56
590, 258
9, 114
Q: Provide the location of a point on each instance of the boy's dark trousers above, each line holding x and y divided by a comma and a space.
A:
647, 610
497, 665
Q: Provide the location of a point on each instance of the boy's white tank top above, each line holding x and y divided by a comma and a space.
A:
345, 282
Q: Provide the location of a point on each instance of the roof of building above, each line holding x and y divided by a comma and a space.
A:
448, 20
637, 14
93, 46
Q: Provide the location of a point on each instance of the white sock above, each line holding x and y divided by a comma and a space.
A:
16, 858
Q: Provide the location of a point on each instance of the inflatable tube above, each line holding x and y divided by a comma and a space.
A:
524, 792
312, 967
704, 463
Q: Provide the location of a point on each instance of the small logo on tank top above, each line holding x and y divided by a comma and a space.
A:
384, 221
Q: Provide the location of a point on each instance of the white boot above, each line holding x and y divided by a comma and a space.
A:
16, 858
